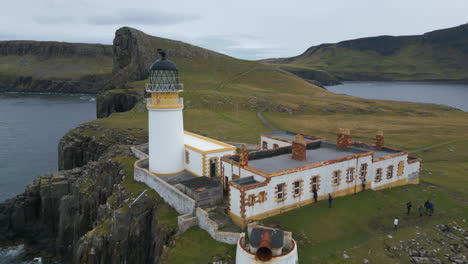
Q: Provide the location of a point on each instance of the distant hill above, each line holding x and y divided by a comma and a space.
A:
437, 55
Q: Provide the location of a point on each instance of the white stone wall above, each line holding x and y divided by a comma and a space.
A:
210, 226
175, 198
196, 161
412, 170
272, 141
383, 164
138, 153
234, 205
325, 173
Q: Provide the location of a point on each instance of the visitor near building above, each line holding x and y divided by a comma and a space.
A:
408, 207
421, 210
330, 199
314, 190
395, 224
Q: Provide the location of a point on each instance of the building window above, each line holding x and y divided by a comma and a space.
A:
251, 200
297, 188
350, 174
315, 183
363, 171
187, 157
336, 177
262, 197
280, 192
264, 145
275, 146
401, 168
390, 172
378, 175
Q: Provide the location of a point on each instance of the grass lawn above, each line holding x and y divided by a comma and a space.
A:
195, 246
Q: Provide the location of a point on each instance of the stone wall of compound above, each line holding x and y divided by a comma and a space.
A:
210, 226
182, 203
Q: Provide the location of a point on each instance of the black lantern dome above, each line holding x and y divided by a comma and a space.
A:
164, 75
163, 64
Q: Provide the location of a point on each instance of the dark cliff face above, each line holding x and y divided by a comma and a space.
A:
88, 143
82, 216
109, 102
48, 49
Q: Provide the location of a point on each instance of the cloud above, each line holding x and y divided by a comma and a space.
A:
128, 16
240, 46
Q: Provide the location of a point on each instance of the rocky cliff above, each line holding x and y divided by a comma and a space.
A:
60, 67
83, 215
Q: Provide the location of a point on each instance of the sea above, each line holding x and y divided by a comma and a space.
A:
451, 94
31, 126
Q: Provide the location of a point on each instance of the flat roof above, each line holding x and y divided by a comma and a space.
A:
173, 179
325, 152
290, 136
202, 143
245, 181
201, 182
378, 153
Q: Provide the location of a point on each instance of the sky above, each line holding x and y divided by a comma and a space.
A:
247, 29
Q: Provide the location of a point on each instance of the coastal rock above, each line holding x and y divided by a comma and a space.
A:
80, 216
116, 101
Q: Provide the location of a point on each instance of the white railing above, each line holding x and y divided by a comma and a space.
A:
163, 87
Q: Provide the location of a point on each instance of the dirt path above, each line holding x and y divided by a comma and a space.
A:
434, 146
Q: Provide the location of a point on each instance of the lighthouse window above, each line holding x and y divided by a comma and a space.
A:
187, 157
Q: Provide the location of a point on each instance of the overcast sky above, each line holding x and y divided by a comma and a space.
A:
249, 29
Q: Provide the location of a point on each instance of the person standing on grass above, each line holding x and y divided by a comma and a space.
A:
395, 224
363, 182
426, 206
431, 208
408, 207
421, 210
330, 199
314, 190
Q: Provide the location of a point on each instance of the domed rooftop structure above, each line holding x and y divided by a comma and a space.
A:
163, 64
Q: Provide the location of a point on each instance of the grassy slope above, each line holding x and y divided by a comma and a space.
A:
414, 62
222, 96
69, 68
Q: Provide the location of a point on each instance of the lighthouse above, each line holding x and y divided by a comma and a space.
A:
165, 118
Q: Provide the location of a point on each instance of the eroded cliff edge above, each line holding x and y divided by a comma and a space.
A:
82, 214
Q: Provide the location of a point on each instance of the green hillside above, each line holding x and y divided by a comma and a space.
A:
222, 97
53, 60
437, 55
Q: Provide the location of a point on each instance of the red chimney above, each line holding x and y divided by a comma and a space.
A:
344, 138
243, 157
379, 140
299, 148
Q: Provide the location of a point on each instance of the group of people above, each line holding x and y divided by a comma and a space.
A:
426, 209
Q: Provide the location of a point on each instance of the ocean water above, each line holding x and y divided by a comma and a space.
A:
451, 94
31, 126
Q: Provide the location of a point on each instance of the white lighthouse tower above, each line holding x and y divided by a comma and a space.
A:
166, 124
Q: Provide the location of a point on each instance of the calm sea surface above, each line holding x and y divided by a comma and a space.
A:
31, 126
451, 94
